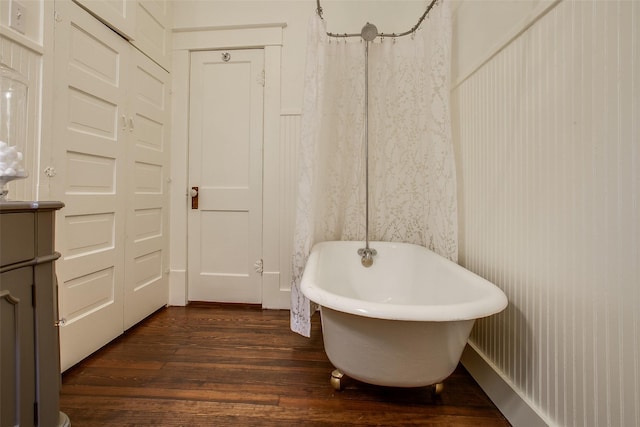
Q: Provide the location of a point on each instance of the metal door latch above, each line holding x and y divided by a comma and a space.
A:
194, 197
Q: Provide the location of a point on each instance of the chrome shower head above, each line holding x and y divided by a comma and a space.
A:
369, 32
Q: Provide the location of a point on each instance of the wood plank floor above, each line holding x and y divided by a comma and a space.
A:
234, 365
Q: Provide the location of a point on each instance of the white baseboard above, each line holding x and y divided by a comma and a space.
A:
272, 296
512, 404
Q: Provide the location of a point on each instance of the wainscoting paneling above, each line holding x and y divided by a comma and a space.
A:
290, 140
548, 144
29, 64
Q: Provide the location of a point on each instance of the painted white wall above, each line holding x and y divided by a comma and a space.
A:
340, 15
482, 28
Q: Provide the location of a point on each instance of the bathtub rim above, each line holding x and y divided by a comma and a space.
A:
494, 302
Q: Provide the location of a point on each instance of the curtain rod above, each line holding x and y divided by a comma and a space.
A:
413, 29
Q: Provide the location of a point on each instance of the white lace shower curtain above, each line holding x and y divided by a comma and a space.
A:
412, 183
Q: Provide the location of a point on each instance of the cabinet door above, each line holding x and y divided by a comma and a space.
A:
91, 72
118, 14
153, 30
17, 352
147, 256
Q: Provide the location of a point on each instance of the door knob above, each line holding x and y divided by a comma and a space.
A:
194, 197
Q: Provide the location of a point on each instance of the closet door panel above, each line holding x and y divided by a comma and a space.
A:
90, 126
147, 283
153, 30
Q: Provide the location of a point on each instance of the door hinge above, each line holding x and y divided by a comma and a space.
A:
261, 78
258, 266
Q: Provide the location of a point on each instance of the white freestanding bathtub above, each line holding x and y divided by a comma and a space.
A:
402, 322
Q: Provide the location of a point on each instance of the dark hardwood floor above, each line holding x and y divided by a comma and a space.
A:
234, 365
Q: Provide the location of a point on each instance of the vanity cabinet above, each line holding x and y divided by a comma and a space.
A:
29, 350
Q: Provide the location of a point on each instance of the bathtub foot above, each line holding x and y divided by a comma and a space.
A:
437, 389
337, 378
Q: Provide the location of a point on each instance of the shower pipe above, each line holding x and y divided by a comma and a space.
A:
413, 29
368, 33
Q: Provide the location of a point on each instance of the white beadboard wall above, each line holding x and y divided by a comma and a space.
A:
289, 143
548, 149
28, 63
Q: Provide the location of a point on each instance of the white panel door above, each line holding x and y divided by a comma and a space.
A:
147, 234
90, 125
225, 162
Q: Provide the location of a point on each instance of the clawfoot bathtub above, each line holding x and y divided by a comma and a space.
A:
402, 322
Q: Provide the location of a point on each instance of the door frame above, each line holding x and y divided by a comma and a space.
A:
275, 276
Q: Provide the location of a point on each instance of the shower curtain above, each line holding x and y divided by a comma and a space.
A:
412, 182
